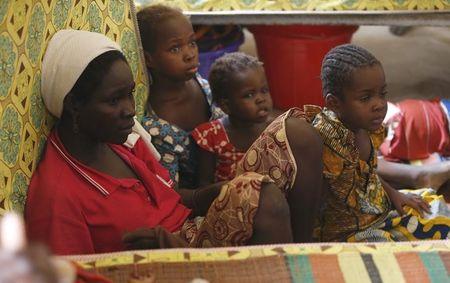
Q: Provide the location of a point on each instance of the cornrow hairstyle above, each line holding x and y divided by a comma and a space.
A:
338, 65
150, 20
222, 71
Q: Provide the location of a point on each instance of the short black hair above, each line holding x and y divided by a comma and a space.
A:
224, 68
93, 75
149, 21
338, 65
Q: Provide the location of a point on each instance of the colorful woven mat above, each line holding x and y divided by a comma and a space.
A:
338, 262
303, 5
26, 26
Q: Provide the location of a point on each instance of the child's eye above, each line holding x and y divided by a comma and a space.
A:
249, 95
193, 43
113, 101
384, 93
265, 90
175, 49
364, 98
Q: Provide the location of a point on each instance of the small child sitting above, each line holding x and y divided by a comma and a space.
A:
240, 88
359, 204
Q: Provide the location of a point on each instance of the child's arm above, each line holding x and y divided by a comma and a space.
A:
399, 200
206, 167
207, 137
200, 199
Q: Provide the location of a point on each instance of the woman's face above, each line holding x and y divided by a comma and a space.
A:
108, 114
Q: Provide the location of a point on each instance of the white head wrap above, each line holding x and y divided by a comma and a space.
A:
67, 56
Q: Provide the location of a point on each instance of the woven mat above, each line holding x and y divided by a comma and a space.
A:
382, 262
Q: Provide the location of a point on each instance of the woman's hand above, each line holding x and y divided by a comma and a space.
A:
152, 238
414, 201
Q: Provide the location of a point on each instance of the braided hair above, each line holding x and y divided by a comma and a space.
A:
338, 65
222, 71
150, 20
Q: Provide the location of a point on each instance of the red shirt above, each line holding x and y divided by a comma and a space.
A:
419, 129
72, 216
213, 137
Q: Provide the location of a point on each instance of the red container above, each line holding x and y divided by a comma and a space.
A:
292, 57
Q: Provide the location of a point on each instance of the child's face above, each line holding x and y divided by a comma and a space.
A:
364, 105
176, 53
249, 97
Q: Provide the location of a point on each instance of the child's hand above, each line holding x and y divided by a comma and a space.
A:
414, 201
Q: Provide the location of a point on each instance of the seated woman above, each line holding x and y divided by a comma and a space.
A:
89, 190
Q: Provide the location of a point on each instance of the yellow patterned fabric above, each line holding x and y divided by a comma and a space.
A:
357, 208
26, 26
411, 226
356, 199
302, 5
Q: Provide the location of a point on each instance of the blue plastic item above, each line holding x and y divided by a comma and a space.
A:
207, 58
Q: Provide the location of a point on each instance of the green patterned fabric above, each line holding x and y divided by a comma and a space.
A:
26, 26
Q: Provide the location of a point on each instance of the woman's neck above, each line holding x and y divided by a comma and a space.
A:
80, 146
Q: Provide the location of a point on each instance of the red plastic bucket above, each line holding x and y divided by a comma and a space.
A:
292, 57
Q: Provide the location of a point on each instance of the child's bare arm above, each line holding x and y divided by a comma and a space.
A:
206, 167
399, 200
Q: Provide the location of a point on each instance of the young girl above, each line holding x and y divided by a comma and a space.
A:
179, 98
359, 204
239, 87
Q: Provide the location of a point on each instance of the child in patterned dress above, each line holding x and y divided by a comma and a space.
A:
179, 98
240, 88
360, 205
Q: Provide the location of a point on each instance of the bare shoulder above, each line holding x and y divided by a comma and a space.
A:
302, 134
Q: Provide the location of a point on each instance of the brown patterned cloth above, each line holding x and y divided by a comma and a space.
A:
271, 153
229, 221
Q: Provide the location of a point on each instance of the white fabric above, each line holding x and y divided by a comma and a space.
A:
140, 132
67, 55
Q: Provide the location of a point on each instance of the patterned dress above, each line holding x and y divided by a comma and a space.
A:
356, 199
213, 138
271, 153
175, 145
230, 218
356, 207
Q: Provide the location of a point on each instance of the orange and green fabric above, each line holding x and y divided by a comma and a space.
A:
425, 262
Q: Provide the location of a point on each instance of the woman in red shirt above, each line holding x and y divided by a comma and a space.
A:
89, 189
